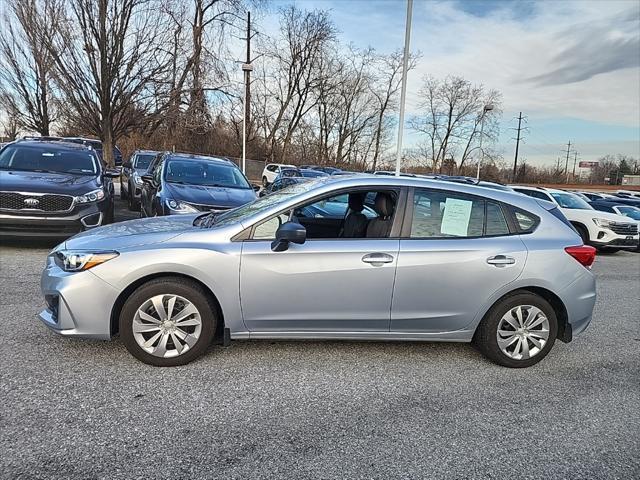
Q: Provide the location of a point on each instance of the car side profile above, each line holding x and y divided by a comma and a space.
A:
366, 258
273, 171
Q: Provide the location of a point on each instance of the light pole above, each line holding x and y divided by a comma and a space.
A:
487, 108
403, 91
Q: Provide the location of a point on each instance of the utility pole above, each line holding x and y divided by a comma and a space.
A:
515, 160
246, 68
575, 159
566, 163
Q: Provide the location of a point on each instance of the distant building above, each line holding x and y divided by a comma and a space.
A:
631, 180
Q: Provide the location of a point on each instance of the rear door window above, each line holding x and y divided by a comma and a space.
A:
441, 214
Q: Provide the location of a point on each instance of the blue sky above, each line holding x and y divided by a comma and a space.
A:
572, 67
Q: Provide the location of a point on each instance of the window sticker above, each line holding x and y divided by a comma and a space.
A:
456, 216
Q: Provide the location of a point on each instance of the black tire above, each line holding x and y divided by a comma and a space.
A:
123, 194
583, 232
485, 338
133, 204
265, 183
109, 214
185, 288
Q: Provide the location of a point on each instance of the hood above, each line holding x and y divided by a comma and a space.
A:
211, 196
40, 182
132, 233
614, 217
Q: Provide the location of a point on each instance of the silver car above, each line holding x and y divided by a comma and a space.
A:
354, 257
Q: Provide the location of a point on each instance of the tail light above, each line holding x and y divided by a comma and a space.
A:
584, 254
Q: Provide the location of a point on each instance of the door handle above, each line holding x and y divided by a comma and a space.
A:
377, 259
501, 260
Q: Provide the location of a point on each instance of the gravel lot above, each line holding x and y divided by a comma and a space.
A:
84, 409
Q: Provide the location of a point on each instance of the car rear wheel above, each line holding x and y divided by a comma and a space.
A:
132, 203
123, 192
168, 322
518, 331
265, 183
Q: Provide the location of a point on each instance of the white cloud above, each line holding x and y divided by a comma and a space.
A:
568, 59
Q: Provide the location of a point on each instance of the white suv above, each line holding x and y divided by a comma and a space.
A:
271, 171
606, 231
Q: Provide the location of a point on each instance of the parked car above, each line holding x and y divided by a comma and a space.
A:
597, 196
271, 171
311, 173
606, 231
97, 146
328, 170
628, 194
461, 263
183, 183
131, 176
53, 188
281, 182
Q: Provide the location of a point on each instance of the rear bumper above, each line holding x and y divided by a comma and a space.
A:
579, 299
20, 225
78, 304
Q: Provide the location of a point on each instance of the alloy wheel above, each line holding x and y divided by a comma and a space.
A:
523, 332
167, 325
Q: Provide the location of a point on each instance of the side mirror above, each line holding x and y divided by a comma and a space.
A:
289, 232
127, 164
147, 179
112, 173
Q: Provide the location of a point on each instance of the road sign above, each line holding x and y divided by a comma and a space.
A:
585, 164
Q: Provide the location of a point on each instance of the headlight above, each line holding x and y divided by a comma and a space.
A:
137, 179
92, 196
79, 260
601, 222
180, 207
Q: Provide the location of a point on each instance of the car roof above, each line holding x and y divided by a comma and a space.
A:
147, 151
201, 158
52, 144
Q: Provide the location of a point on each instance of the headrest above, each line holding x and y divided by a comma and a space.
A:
356, 201
383, 204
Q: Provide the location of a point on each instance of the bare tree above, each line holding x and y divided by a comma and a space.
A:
295, 53
385, 90
26, 64
453, 112
107, 64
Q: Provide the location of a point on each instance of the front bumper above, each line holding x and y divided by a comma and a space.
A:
78, 304
605, 237
14, 224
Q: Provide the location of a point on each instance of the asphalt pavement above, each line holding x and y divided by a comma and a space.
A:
73, 408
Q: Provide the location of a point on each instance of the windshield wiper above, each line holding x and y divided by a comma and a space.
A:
206, 220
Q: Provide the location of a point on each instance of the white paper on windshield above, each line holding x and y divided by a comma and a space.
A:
456, 216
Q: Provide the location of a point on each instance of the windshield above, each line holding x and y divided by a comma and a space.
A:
43, 158
631, 212
569, 200
143, 161
202, 172
264, 203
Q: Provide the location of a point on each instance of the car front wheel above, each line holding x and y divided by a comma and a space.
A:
518, 331
168, 322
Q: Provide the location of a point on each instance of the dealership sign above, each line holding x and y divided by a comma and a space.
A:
584, 164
